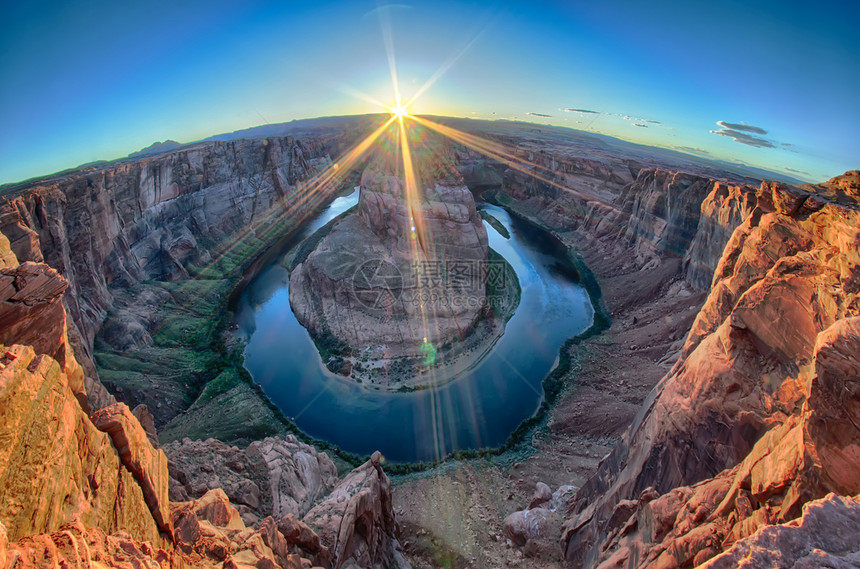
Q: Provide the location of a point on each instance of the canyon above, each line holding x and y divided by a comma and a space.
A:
710, 417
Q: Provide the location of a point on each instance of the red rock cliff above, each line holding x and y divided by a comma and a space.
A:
759, 416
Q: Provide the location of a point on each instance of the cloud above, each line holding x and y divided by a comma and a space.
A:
787, 169
743, 127
653, 122
691, 150
744, 138
538, 115
581, 111
788, 144
640, 125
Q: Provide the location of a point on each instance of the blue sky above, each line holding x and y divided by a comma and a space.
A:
90, 81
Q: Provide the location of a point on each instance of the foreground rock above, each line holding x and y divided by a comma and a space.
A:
356, 521
76, 492
147, 464
32, 313
756, 419
824, 536
57, 466
272, 477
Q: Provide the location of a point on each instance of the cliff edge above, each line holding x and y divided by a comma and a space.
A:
759, 415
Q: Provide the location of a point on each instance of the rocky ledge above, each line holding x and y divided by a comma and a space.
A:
93, 490
759, 415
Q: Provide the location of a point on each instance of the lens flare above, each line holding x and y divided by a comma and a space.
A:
399, 111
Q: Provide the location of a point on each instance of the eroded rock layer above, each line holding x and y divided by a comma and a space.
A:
81, 490
399, 272
107, 229
758, 417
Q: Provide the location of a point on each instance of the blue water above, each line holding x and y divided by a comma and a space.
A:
481, 408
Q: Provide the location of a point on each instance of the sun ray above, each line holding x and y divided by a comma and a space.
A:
353, 92
541, 173
309, 194
388, 40
447, 65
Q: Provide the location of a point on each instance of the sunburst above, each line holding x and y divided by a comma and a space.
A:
399, 111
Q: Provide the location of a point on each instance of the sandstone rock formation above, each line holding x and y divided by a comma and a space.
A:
396, 274
143, 219
76, 545
147, 464
824, 536
658, 216
755, 426
32, 313
356, 521
92, 491
56, 466
210, 533
272, 477
734, 437
79, 492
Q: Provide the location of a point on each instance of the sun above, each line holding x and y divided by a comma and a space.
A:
399, 111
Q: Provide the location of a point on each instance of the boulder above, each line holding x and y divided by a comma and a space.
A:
542, 495
272, 477
525, 525
356, 521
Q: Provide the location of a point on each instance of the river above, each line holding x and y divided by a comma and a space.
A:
481, 408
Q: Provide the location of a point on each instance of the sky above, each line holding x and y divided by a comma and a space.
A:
769, 84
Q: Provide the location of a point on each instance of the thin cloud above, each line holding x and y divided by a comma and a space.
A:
691, 150
744, 138
639, 120
787, 169
538, 115
742, 127
581, 111
640, 125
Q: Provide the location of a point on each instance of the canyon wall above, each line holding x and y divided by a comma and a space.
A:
742, 434
652, 216
153, 219
758, 416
